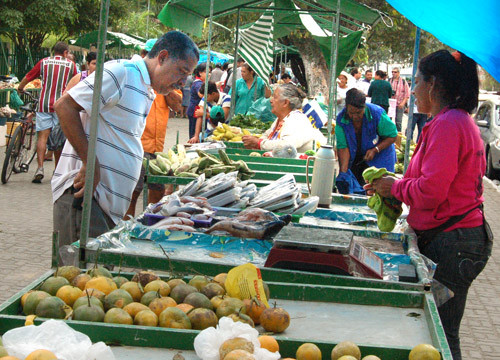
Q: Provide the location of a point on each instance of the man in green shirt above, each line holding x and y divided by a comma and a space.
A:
380, 91
365, 136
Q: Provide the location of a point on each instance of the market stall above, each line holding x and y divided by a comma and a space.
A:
372, 312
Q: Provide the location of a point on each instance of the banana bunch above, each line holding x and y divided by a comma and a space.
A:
224, 132
210, 165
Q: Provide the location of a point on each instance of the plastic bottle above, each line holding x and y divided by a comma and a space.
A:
320, 99
323, 173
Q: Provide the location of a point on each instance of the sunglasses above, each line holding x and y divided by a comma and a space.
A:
395, 72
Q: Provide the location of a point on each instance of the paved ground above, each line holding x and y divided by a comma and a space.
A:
25, 247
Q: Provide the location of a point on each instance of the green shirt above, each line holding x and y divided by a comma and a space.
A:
385, 129
380, 91
245, 96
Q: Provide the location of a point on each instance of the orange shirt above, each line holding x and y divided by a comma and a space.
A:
153, 138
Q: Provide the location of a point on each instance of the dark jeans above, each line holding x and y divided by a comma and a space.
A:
460, 255
419, 120
399, 117
192, 126
67, 220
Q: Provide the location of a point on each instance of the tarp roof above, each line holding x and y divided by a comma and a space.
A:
215, 57
471, 27
114, 39
189, 15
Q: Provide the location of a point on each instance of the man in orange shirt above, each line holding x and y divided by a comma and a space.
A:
153, 137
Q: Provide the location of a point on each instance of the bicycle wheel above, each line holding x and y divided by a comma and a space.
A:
26, 151
11, 154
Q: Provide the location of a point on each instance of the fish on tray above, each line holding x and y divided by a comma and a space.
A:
175, 227
251, 230
200, 201
256, 214
162, 224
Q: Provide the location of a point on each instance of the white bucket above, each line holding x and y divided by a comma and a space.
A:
3, 132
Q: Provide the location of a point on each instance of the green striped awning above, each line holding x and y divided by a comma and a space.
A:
256, 45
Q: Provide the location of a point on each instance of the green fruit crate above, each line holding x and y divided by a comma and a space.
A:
385, 323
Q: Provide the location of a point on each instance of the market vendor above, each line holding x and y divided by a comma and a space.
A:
248, 89
365, 136
291, 126
443, 185
216, 99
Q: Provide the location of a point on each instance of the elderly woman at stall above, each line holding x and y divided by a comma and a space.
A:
443, 185
365, 136
248, 89
291, 126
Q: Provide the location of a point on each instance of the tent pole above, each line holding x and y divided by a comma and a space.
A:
207, 70
409, 127
91, 153
235, 69
332, 97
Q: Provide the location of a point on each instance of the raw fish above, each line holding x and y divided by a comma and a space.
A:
262, 230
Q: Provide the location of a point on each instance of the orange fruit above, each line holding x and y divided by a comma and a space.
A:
41, 355
269, 343
308, 351
102, 283
69, 294
185, 307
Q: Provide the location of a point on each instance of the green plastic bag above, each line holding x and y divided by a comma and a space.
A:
15, 101
261, 108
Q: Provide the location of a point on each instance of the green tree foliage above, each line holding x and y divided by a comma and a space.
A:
27, 22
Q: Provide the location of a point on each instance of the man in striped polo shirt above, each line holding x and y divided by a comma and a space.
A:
56, 71
126, 97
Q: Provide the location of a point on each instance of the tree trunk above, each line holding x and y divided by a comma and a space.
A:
317, 73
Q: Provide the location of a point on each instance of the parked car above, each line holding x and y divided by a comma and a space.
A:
488, 120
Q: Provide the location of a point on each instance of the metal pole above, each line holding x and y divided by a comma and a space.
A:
409, 127
332, 96
91, 153
147, 20
235, 69
207, 69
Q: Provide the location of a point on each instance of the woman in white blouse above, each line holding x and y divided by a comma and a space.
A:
291, 127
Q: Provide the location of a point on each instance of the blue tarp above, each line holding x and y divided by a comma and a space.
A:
472, 27
215, 57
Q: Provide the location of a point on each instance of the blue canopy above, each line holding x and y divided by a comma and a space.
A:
215, 57
472, 27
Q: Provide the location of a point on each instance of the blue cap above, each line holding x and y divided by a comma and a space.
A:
216, 113
149, 44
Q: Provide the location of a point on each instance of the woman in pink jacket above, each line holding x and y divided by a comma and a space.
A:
443, 184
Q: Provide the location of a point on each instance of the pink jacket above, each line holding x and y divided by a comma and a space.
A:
445, 174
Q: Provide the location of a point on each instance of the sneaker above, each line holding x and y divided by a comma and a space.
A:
37, 179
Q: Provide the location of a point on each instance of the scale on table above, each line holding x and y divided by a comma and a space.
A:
323, 250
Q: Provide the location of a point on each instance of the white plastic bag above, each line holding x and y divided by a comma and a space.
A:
208, 342
55, 336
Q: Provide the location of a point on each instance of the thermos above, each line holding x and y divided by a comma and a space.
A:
323, 173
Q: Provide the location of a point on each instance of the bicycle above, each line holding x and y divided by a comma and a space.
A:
22, 144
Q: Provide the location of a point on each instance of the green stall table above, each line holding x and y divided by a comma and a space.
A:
385, 323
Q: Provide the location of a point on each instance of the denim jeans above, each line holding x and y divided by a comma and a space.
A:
419, 121
460, 255
399, 118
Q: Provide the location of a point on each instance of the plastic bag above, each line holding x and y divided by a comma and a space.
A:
261, 108
56, 139
55, 336
208, 342
15, 101
245, 282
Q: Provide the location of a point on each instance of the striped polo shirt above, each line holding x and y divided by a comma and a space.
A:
126, 98
55, 72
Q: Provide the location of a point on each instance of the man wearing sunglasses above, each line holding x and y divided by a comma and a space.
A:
401, 92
